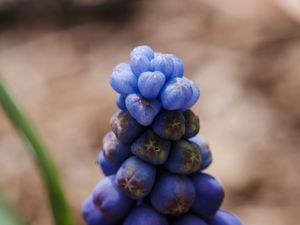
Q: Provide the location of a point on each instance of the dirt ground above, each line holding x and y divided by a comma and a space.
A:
243, 54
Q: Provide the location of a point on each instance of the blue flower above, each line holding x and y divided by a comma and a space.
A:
106, 166
141, 109
145, 215
120, 101
150, 84
140, 59
123, 80
92, 215
223, 217
107, 195
176, 93
209, 194
173, 194
136, 178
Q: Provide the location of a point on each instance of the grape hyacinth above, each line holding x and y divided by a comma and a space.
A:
153, 156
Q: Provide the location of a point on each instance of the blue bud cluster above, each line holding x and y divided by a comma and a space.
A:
154, 158
150, 82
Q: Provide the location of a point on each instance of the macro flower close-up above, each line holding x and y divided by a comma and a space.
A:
161, 178
134, 112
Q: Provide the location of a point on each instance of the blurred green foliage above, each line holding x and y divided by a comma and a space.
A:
8, 216
60, 209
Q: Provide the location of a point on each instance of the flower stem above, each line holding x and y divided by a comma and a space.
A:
60, 209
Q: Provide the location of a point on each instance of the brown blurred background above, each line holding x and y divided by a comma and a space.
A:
57, 55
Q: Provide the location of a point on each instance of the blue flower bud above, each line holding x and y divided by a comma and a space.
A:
91, 215
140, 202
140, 58
145, 215
189, 219
178, 67
163, 63
223, 217
125, 127
139, 64
123, 80
150, 84
172, 194
136, 178
107, 195
120, 101
176, 93
194, 98
205, 151
144, 111
192, 124
114, 150
209, 194
151, 148
184, 158
108, 168
143, 50
169, 125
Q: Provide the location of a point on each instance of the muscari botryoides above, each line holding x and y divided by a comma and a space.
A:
153, 157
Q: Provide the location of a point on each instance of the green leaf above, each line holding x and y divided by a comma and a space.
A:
59, 206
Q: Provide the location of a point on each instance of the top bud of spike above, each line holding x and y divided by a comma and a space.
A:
154, 77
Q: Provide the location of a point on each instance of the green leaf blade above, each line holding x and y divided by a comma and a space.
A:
60, 209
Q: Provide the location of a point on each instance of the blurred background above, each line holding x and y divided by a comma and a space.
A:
57, 55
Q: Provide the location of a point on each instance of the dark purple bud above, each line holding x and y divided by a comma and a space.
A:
114, 150
173, 194
120, 101
91, 215
107, 196
107, 167
145, 215
223, 217
136, 178
184, 158
151, 148
125, 127
209, 194
169, 125
205, 151
192, 124
189, 219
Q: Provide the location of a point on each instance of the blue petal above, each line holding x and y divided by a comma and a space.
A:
163, 63
143, 50
142, 110
194, 98
120, 101
139, 64
209, 194
223, 217
91, 215
107, 195
205, 152
178, 67
108, 168
176, 93
150, 84
123, 80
